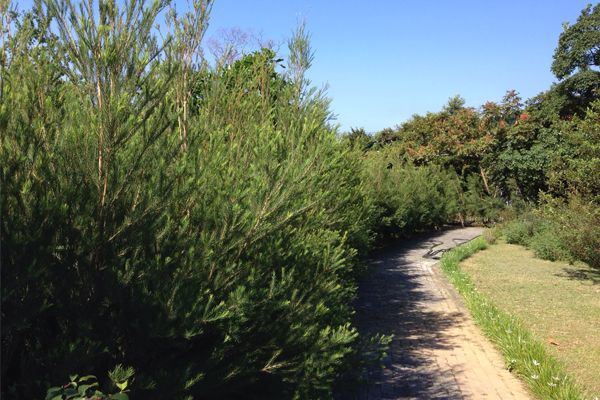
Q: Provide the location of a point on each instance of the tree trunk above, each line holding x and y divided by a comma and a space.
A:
485, 182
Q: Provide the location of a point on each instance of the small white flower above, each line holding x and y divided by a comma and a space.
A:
508, 331
556, 378
535, 362
535, 376
551, 384
513, 361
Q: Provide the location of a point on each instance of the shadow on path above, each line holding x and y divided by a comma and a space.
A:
400, 296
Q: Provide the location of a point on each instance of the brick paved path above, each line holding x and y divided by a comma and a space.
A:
437, 352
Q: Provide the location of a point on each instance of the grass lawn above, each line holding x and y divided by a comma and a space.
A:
558, 302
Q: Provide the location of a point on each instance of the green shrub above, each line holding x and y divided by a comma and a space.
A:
539, 234
406, 198
576, 225
547, 244
86, 387
201, 225
519, 232
477, 205
491, 235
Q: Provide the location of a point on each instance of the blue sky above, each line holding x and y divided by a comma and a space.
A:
386, 60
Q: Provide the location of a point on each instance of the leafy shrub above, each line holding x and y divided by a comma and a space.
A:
574, 202
547, 244
86, 387
576, 224
519, 232
406, 198
540, 234
477, 205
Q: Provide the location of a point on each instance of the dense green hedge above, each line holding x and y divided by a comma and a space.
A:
207, 238
407, 198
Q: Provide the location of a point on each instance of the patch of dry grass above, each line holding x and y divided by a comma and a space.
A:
558, 302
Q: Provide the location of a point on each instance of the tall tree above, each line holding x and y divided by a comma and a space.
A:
576, 62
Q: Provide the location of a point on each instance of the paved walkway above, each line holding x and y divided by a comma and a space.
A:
437, 352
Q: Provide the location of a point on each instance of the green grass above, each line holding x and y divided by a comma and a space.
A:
525, 352
559, 303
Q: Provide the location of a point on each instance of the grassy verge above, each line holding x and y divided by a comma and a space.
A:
559, 303
525, 356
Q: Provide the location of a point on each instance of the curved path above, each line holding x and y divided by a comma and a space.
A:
436, 352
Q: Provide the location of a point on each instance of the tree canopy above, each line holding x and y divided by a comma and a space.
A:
579, 45
575, 65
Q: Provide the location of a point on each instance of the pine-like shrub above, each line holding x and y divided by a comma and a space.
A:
200, 225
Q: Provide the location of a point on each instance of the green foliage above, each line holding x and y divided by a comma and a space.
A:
407, 198
454, 106
85, 387
575, 169
466, 143
519, 232
491, 235
359, 139
540, 234
548, 245
578, 45
208, 238
573, 203
575, 64
205, 225
576, 227
476, 204
520, 165
523, 227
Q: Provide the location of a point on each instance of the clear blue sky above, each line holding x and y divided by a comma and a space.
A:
386, 60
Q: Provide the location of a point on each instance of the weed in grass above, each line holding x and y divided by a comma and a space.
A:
491, 235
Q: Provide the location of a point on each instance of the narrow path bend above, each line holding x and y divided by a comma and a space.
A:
437, 351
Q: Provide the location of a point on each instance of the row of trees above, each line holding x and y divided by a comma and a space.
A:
507, 156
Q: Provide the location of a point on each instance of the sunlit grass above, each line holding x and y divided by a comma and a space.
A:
525, 356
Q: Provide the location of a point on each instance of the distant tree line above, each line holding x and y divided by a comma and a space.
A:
536, 162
